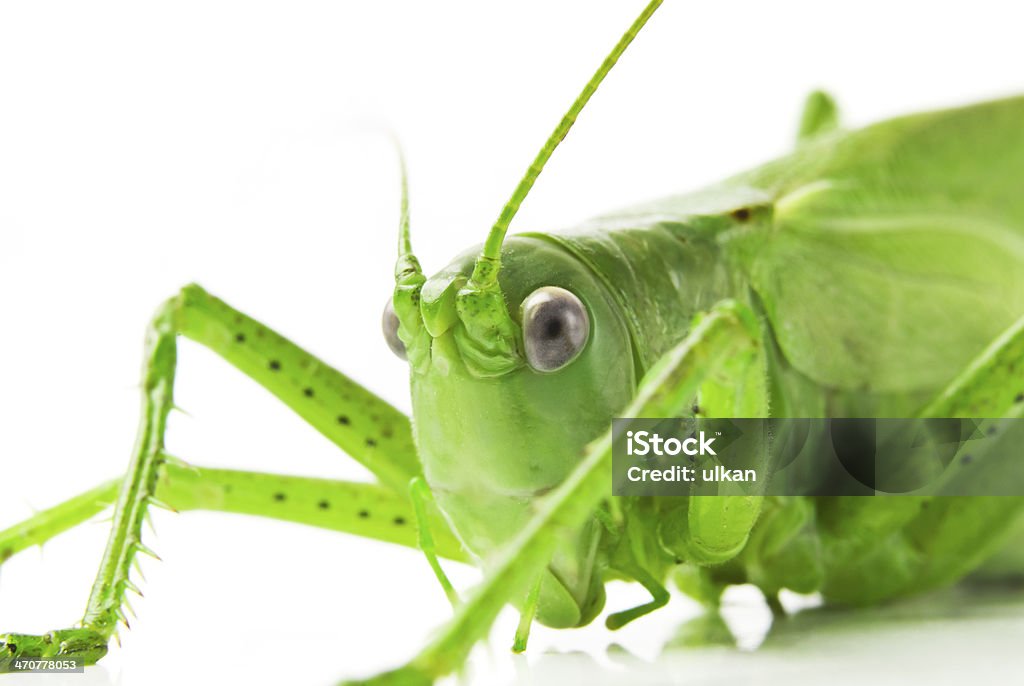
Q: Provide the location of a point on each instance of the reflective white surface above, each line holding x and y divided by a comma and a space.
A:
963, 635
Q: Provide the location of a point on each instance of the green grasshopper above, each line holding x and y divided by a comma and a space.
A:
877, 272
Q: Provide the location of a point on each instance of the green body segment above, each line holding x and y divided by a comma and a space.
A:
881, 262
900, 245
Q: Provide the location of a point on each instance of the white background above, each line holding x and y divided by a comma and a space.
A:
144, 146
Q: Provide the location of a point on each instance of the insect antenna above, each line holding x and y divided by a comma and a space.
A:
407, 263
485, 270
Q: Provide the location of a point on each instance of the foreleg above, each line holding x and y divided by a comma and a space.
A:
366, 427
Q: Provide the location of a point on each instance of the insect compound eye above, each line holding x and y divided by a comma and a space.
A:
555, 328
389, 323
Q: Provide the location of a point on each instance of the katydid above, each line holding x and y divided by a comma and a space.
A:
875, 272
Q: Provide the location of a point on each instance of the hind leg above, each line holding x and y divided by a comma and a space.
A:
938, 539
